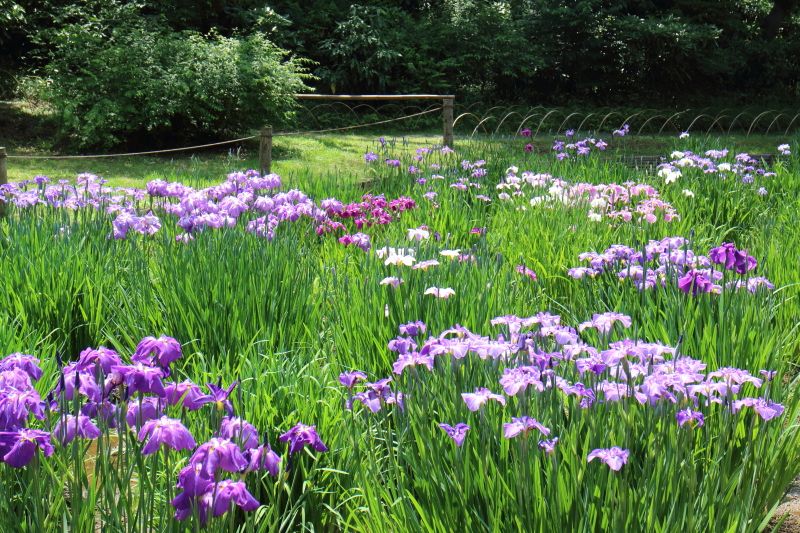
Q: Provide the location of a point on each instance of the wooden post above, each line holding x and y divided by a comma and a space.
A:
447, 118
265, 151
3, 177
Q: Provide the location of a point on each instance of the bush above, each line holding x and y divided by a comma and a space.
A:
120, 77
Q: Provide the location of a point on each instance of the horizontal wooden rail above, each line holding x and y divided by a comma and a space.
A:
374, 96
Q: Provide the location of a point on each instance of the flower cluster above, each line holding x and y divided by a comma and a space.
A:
109, 393
672, 261
566, 149
623, 203
539, 355
241, 197
720, 163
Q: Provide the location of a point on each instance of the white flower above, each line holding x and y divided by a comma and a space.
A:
418, 234
443, 293
391, 280
677, 155
684, 162
595, 217
687, 193
598, 203
683, 135
536, 200
398, 259
384, 252
503, 196
783, 147
451, 254
724, 167
512, 170
670, 175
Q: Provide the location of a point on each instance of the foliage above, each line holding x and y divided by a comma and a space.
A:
286, 316
118, 76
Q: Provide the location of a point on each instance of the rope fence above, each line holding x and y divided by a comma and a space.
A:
497, 120
265, 140
131, 154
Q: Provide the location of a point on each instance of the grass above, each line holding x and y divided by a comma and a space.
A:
286, 316
27, 129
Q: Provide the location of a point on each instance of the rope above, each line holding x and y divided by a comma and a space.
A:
128, 154
285, 133
232, 141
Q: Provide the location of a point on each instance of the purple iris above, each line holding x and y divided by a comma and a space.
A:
476, 400
525, 271
695, 282
142, 378
412, 359
377, 394
516, 380
239, 430
614, 457
20, 446
733, 259
105, 411
522, 425
349, 379
102, 356
228, 493
219, 397
69, 427
549, 446
769, 375
766, 409
263, 458
186, 394
457, 433
302, 435
219, 454
163, 350
604, 322
692, 418
196, 493
139, 412
16, 405
83, 380
167, 431
412, 329
27, 363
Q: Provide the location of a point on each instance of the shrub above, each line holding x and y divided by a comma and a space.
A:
121, 77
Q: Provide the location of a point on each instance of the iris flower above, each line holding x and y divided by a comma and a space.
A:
522, 425
458, 432
476, 400
69, 427
20, 446
166, 431
614, 457
302, 435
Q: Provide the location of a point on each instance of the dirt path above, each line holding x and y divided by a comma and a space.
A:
791, 506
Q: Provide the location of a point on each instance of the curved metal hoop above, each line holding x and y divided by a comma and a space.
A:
539, 127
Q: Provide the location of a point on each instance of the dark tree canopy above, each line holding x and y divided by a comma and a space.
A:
593, 52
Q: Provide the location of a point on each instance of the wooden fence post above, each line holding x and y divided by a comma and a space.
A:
265, 151
447, 117
3, 177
